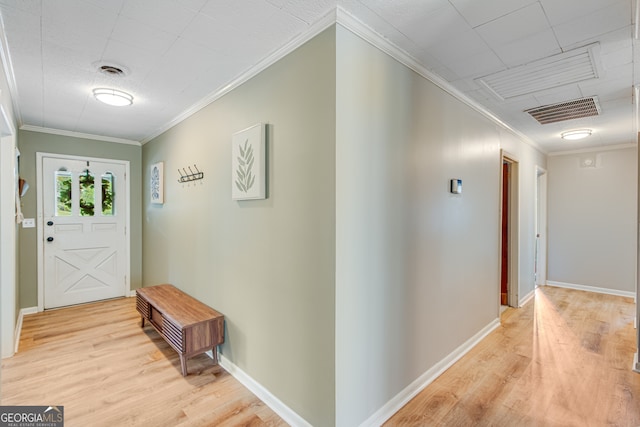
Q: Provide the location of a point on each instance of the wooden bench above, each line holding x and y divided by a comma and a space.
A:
188, 325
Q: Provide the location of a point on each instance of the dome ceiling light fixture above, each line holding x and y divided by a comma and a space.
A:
573, 135
114, 97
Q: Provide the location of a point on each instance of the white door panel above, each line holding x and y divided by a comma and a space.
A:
84, 219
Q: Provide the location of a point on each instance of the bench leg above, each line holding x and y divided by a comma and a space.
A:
142, 325
183, 365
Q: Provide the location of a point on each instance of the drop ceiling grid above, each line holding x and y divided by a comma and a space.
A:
477, 12
517, 25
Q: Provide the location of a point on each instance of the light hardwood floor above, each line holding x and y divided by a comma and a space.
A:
97, 362
563, 360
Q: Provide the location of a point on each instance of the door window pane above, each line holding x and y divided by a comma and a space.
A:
87, 194
108, 194
63, 193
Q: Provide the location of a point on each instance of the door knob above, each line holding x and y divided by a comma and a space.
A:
49, 223
49, 239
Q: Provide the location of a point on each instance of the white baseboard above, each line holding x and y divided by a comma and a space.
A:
527, 298
276, 405
402, 398
596, 289
23, 312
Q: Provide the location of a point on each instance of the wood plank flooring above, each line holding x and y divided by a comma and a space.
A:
105, 370
563, 360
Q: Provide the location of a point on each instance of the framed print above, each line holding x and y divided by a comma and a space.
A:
157, 183
248, 164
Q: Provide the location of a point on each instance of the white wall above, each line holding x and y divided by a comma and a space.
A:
417, 268
592, 219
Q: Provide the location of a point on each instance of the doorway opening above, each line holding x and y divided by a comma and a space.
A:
509, 231
540, 264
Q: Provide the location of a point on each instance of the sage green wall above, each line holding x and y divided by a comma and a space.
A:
417, 270
267, 265
29, 144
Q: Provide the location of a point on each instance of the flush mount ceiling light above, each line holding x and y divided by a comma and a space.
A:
576, 134
113, 97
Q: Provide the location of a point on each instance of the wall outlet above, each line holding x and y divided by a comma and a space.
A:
29, 223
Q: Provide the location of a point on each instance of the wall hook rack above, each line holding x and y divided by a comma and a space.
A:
191, 175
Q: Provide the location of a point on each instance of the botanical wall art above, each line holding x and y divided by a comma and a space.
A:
248, 164
157, 183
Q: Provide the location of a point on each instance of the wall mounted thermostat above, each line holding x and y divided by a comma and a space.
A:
456, 186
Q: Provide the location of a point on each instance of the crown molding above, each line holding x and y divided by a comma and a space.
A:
80, 135
593, 149
314, 29
356, 26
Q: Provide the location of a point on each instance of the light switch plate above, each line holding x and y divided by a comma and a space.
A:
29, 223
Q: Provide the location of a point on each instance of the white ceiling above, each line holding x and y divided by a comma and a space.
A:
177, 53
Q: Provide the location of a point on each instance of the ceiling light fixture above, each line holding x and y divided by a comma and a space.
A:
114, 97
576, 134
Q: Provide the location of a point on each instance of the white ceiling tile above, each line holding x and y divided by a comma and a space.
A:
462, 44
78, 17
528, 49
618, 81
22, 24
517, 25
443, 24
559, 12
480, 12
193, 4
74, 60
141, 35
309, 12
554, 96
278, 3
177, 56
617, 58
114, 6
215, 35
584, 28
31, 6
67, 40
476, 65
246, 13
164, 15
139, 62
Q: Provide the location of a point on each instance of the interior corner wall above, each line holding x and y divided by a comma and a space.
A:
267, 265
30, 143
592, 219
417, 270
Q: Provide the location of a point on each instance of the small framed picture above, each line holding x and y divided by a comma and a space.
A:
248, 180
157, 183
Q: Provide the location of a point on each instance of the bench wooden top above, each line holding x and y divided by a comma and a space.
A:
182, 309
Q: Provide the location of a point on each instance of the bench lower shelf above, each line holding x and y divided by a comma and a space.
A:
187, 325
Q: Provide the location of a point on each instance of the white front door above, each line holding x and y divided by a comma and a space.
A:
84, 225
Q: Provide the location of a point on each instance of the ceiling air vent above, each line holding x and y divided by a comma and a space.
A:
554, 71
576, 109
112, 70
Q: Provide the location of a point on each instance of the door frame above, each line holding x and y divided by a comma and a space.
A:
541, 226
8, 231
513, 268
40, 218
